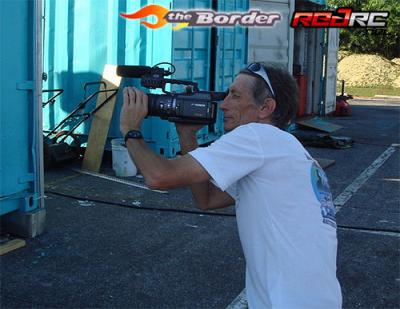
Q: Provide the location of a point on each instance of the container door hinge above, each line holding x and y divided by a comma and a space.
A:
26, 85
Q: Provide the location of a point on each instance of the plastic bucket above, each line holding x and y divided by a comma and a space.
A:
121, 161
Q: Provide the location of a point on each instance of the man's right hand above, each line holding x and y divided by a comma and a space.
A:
187, 136
187, 129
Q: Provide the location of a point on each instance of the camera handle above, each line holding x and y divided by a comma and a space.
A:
150, 82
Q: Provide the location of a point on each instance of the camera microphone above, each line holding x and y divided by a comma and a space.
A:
133, 70
141, 70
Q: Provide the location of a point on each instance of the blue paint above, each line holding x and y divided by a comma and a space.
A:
82, 36
18, 186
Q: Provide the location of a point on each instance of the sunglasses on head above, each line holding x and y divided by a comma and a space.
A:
259, 69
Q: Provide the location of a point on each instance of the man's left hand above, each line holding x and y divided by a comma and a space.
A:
134, 109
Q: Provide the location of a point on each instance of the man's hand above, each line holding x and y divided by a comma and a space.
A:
134, 109
187, 130
187, 136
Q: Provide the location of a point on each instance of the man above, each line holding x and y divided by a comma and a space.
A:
284, 209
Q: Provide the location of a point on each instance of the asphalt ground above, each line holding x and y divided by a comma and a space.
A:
109, 245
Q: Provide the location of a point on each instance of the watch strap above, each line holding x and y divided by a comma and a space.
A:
135, 134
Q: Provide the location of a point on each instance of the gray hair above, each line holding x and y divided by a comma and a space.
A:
286, 93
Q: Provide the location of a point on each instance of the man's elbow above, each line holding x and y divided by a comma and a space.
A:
211, 205
205, 206
202, 207
158, 182
154, 184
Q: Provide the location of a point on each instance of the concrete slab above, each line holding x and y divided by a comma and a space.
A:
368, 270
374, 123
93, 188
349, 163
98, 255
373, 129
376, 204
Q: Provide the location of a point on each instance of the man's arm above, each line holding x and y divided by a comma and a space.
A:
160, 173
206, 194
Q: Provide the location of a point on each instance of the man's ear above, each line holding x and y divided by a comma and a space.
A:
267, 108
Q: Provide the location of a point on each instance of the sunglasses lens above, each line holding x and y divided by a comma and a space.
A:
254, 67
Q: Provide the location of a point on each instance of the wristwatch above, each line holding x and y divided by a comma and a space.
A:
133, 134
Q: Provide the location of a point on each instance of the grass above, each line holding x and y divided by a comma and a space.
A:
370, 91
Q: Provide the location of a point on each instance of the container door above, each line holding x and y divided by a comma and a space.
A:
81, 36
331, 70
231, 46
231, 52
21, 165
191, 57
274, 44
191, 47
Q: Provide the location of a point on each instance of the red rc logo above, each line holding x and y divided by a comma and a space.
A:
341, 18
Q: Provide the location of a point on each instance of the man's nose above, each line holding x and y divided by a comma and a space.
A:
223, 105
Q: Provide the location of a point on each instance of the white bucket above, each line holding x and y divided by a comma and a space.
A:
121, 161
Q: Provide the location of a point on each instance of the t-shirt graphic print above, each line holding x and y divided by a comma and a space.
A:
323, 194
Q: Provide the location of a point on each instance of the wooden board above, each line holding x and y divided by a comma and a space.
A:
318, 124
11, 245
101, 122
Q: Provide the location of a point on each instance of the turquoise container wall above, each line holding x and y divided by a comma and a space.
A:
191, 57
231, 50
20, 134
192, 49
232, 46
81, 36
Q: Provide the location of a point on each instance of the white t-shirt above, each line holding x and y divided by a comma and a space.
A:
285, 216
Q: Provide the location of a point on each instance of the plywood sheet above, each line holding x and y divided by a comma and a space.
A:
101, 122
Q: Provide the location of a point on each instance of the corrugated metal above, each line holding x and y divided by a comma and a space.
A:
20, 141
331, 70
82, 36
191, 57
273, 44
308, 60
232, 46
231, 52
314, 41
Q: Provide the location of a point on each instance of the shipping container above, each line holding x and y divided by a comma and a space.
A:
21, 162
81, 36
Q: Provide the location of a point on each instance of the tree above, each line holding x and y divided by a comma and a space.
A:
385, 42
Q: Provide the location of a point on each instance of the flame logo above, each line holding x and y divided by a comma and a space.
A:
153, 9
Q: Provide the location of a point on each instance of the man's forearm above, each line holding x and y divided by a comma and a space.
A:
150, 164
200, 191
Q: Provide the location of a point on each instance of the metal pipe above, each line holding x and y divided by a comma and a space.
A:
80, 106
53, 98
88, 115
37, 136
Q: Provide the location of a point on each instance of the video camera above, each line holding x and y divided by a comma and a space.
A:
191, 106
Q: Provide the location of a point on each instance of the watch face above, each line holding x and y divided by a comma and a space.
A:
134, 134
